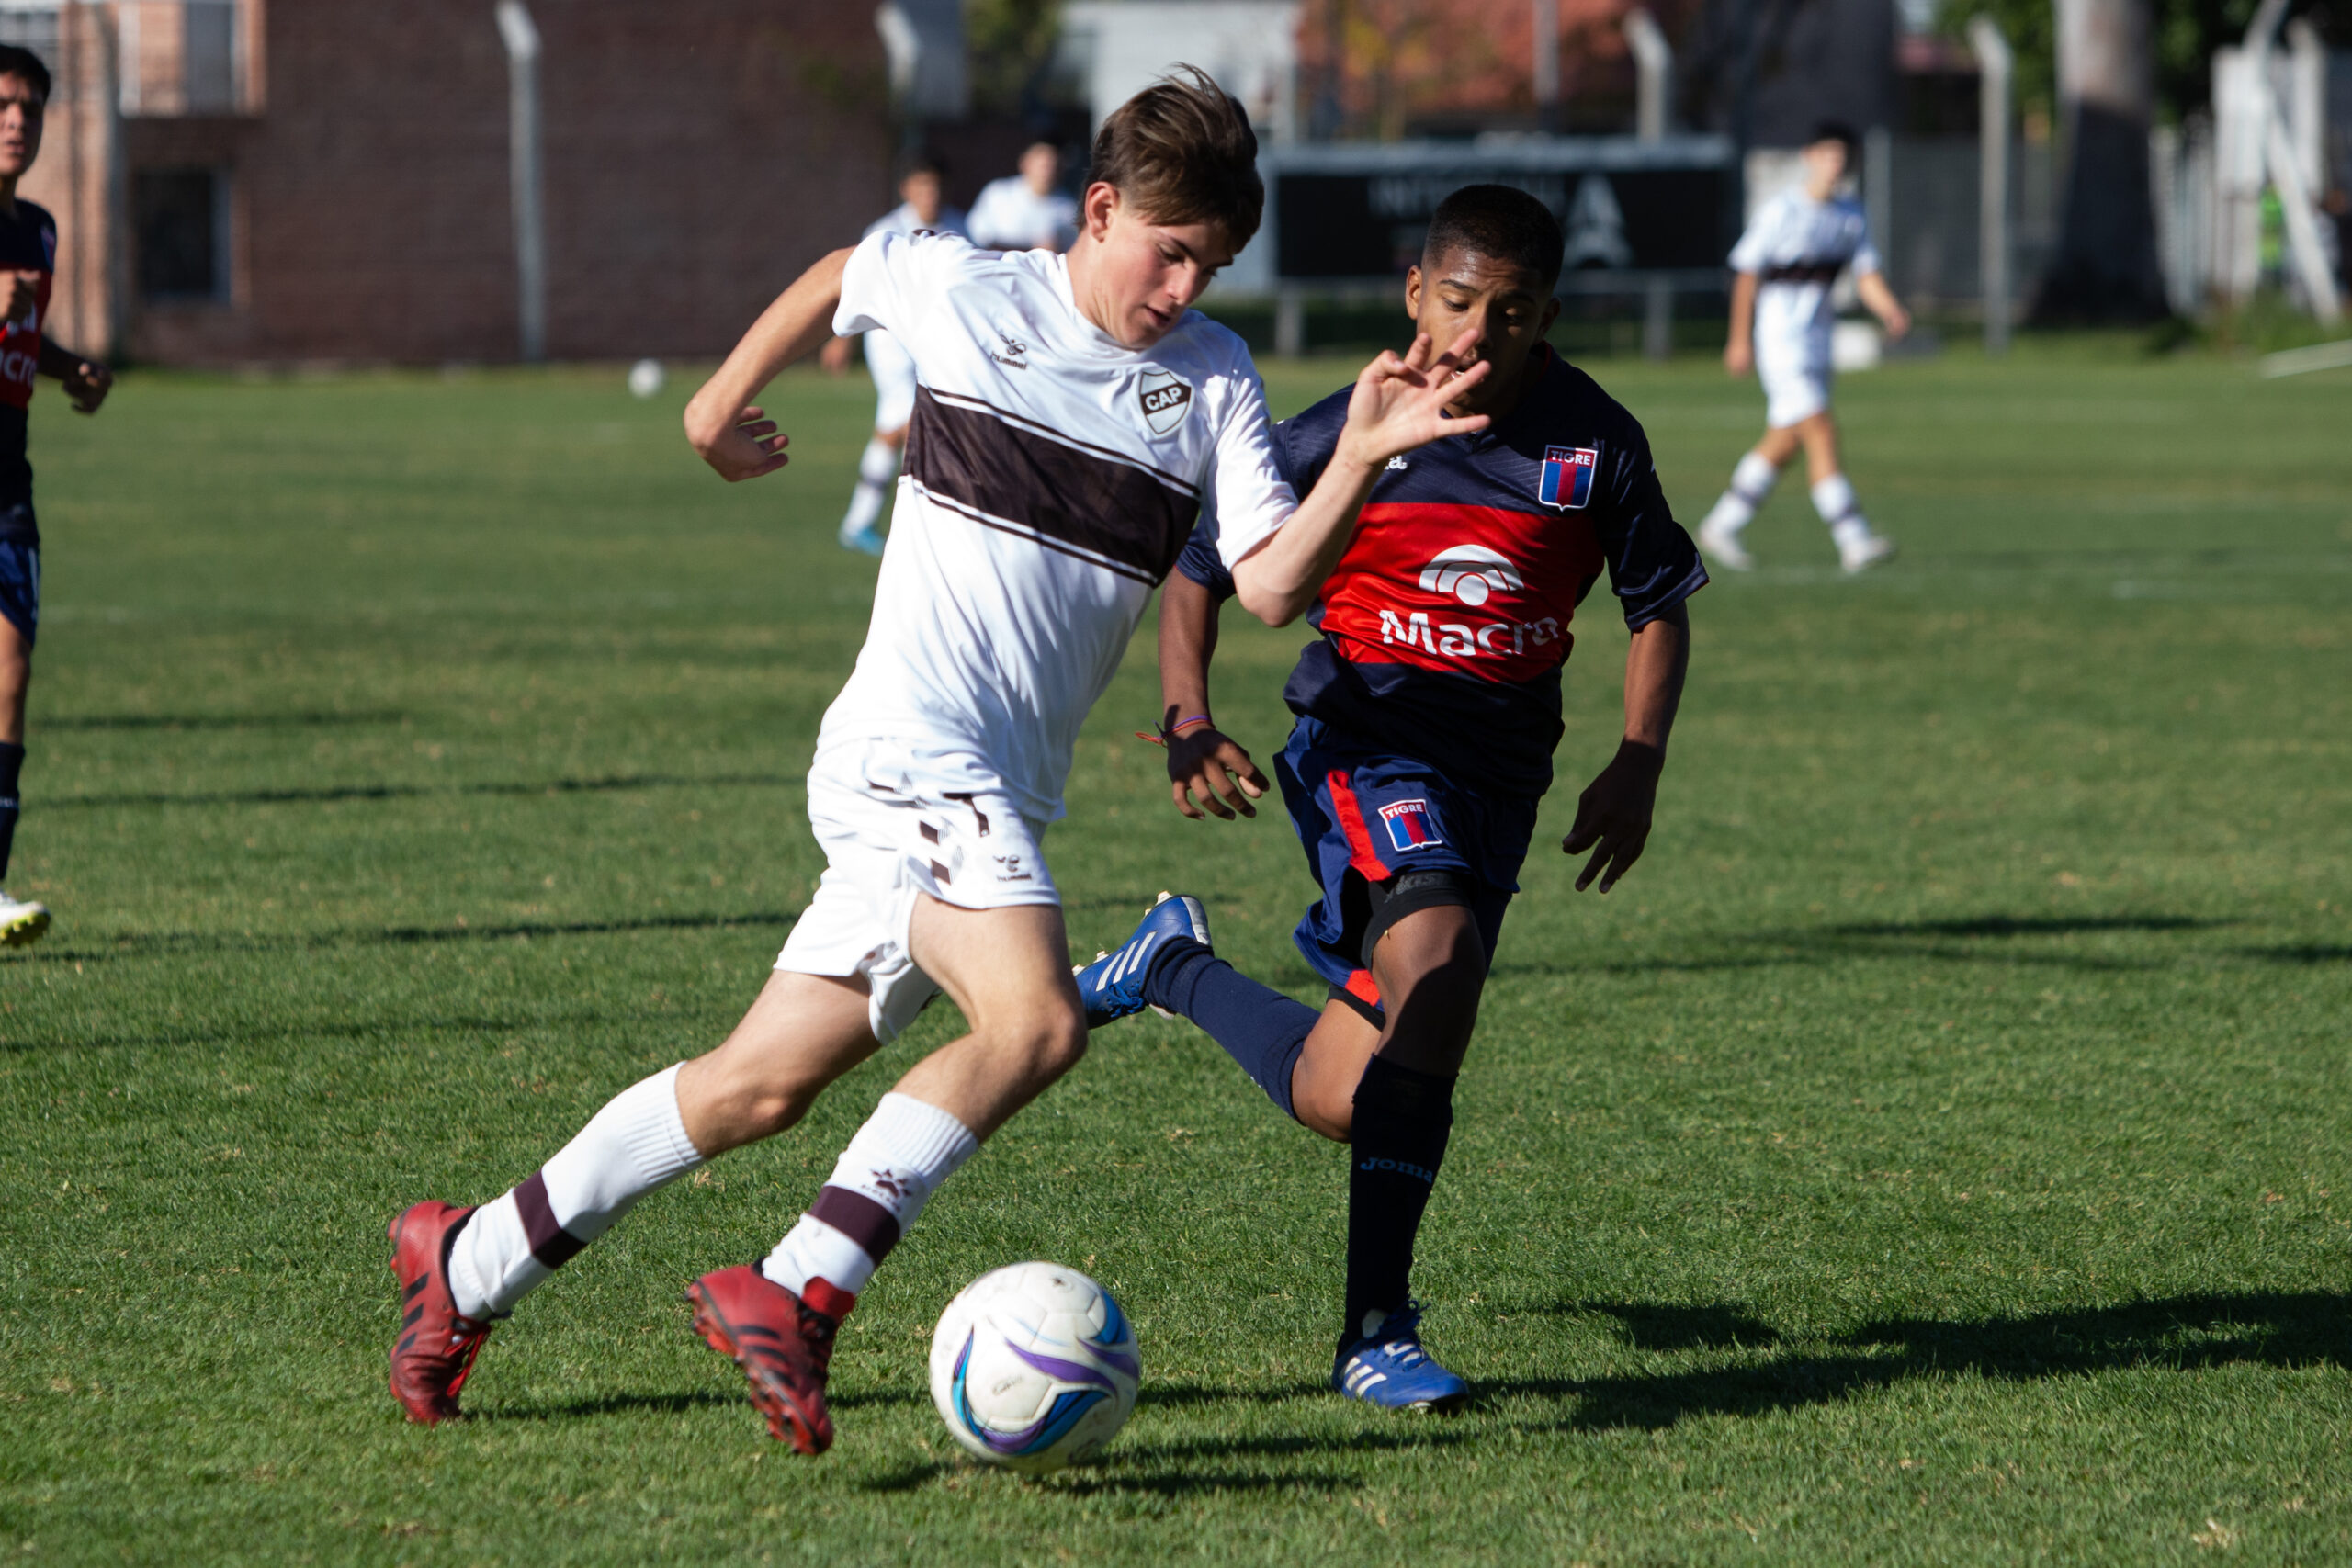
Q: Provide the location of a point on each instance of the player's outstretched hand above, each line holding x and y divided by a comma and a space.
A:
1739, 356
86, 386
1613, 816
1212, 768
741, 447
1399, 403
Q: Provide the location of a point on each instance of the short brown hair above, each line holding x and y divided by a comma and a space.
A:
1182, 149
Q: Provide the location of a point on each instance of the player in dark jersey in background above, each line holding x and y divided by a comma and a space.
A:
27, 262
1428, 714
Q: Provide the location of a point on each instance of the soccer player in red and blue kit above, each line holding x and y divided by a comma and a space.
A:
28, 262
1428, 713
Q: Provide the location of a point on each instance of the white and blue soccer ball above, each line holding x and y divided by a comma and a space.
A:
1034, 1367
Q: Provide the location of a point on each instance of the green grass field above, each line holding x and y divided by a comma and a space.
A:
1930, 1155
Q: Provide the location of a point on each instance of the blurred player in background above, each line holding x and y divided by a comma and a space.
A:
1782, 318
1023, 212
921, 206
27, 261
1428, 712
1074, 417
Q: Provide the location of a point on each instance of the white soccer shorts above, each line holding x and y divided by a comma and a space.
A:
1796, 386
894, 380
891, 832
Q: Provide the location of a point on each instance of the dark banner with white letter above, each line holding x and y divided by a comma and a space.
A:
1351, 213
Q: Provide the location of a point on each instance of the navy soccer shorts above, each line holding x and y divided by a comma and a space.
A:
20, 586
1370, 820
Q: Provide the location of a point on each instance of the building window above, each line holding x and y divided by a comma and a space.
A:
183, 227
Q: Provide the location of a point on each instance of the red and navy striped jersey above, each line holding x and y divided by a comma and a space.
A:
28, 243
1446, 622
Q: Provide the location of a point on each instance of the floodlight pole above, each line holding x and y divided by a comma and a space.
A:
1997, 67
521, 41
1546, 18
1653, 68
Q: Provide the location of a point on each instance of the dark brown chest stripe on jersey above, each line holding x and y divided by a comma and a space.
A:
1126, 517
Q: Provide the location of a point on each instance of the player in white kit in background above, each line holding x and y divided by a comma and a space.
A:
1023, 212
1781, 321
921, 206
1073, 418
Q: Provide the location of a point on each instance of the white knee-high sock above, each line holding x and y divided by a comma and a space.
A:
877, 469
878, 1186
1752, 480
1834, 499
636, 1144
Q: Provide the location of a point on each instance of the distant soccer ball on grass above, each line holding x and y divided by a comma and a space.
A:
645, 377
1034, 1367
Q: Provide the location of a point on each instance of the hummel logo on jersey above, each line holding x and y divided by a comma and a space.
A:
1015, 352
1566, 482
1408, 824
1470, 572
1164, 400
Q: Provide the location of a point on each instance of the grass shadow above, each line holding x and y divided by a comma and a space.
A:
146, 944
606, 1405
334, 793
2174, 1333
168, 721
2011, 925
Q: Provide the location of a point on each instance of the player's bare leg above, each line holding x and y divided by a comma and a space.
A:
21, 920
802, 1032
1005, 969
1434, 966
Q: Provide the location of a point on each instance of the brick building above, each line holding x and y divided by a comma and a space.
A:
275, 180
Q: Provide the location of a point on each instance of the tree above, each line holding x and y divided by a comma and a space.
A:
2104, 267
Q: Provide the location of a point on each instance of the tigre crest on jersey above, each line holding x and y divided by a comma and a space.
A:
1568, 476
1164, 398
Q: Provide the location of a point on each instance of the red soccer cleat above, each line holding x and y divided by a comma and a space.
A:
438, 1344
782, 1344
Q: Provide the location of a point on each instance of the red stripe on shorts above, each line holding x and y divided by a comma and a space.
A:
1360, 854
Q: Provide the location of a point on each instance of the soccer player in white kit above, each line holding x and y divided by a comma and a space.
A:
1072, 418
921, 206
1780, 321
1023, 212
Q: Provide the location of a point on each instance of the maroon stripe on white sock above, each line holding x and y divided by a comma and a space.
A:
858, 1217
550, 1243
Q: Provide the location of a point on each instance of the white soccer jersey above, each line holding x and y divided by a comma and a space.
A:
1052, 478
1797, 246
1009, 216
893, 372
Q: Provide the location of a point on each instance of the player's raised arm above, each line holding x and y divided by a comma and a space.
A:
1397, 405
733, 433
1203, 764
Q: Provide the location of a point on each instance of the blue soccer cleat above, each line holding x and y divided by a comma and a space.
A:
1389, 1369
1112, 987
866, 541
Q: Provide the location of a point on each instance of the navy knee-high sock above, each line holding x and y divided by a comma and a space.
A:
12, 762
1259, 1027
1403, 1119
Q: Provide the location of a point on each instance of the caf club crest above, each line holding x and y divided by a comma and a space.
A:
1164, 398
